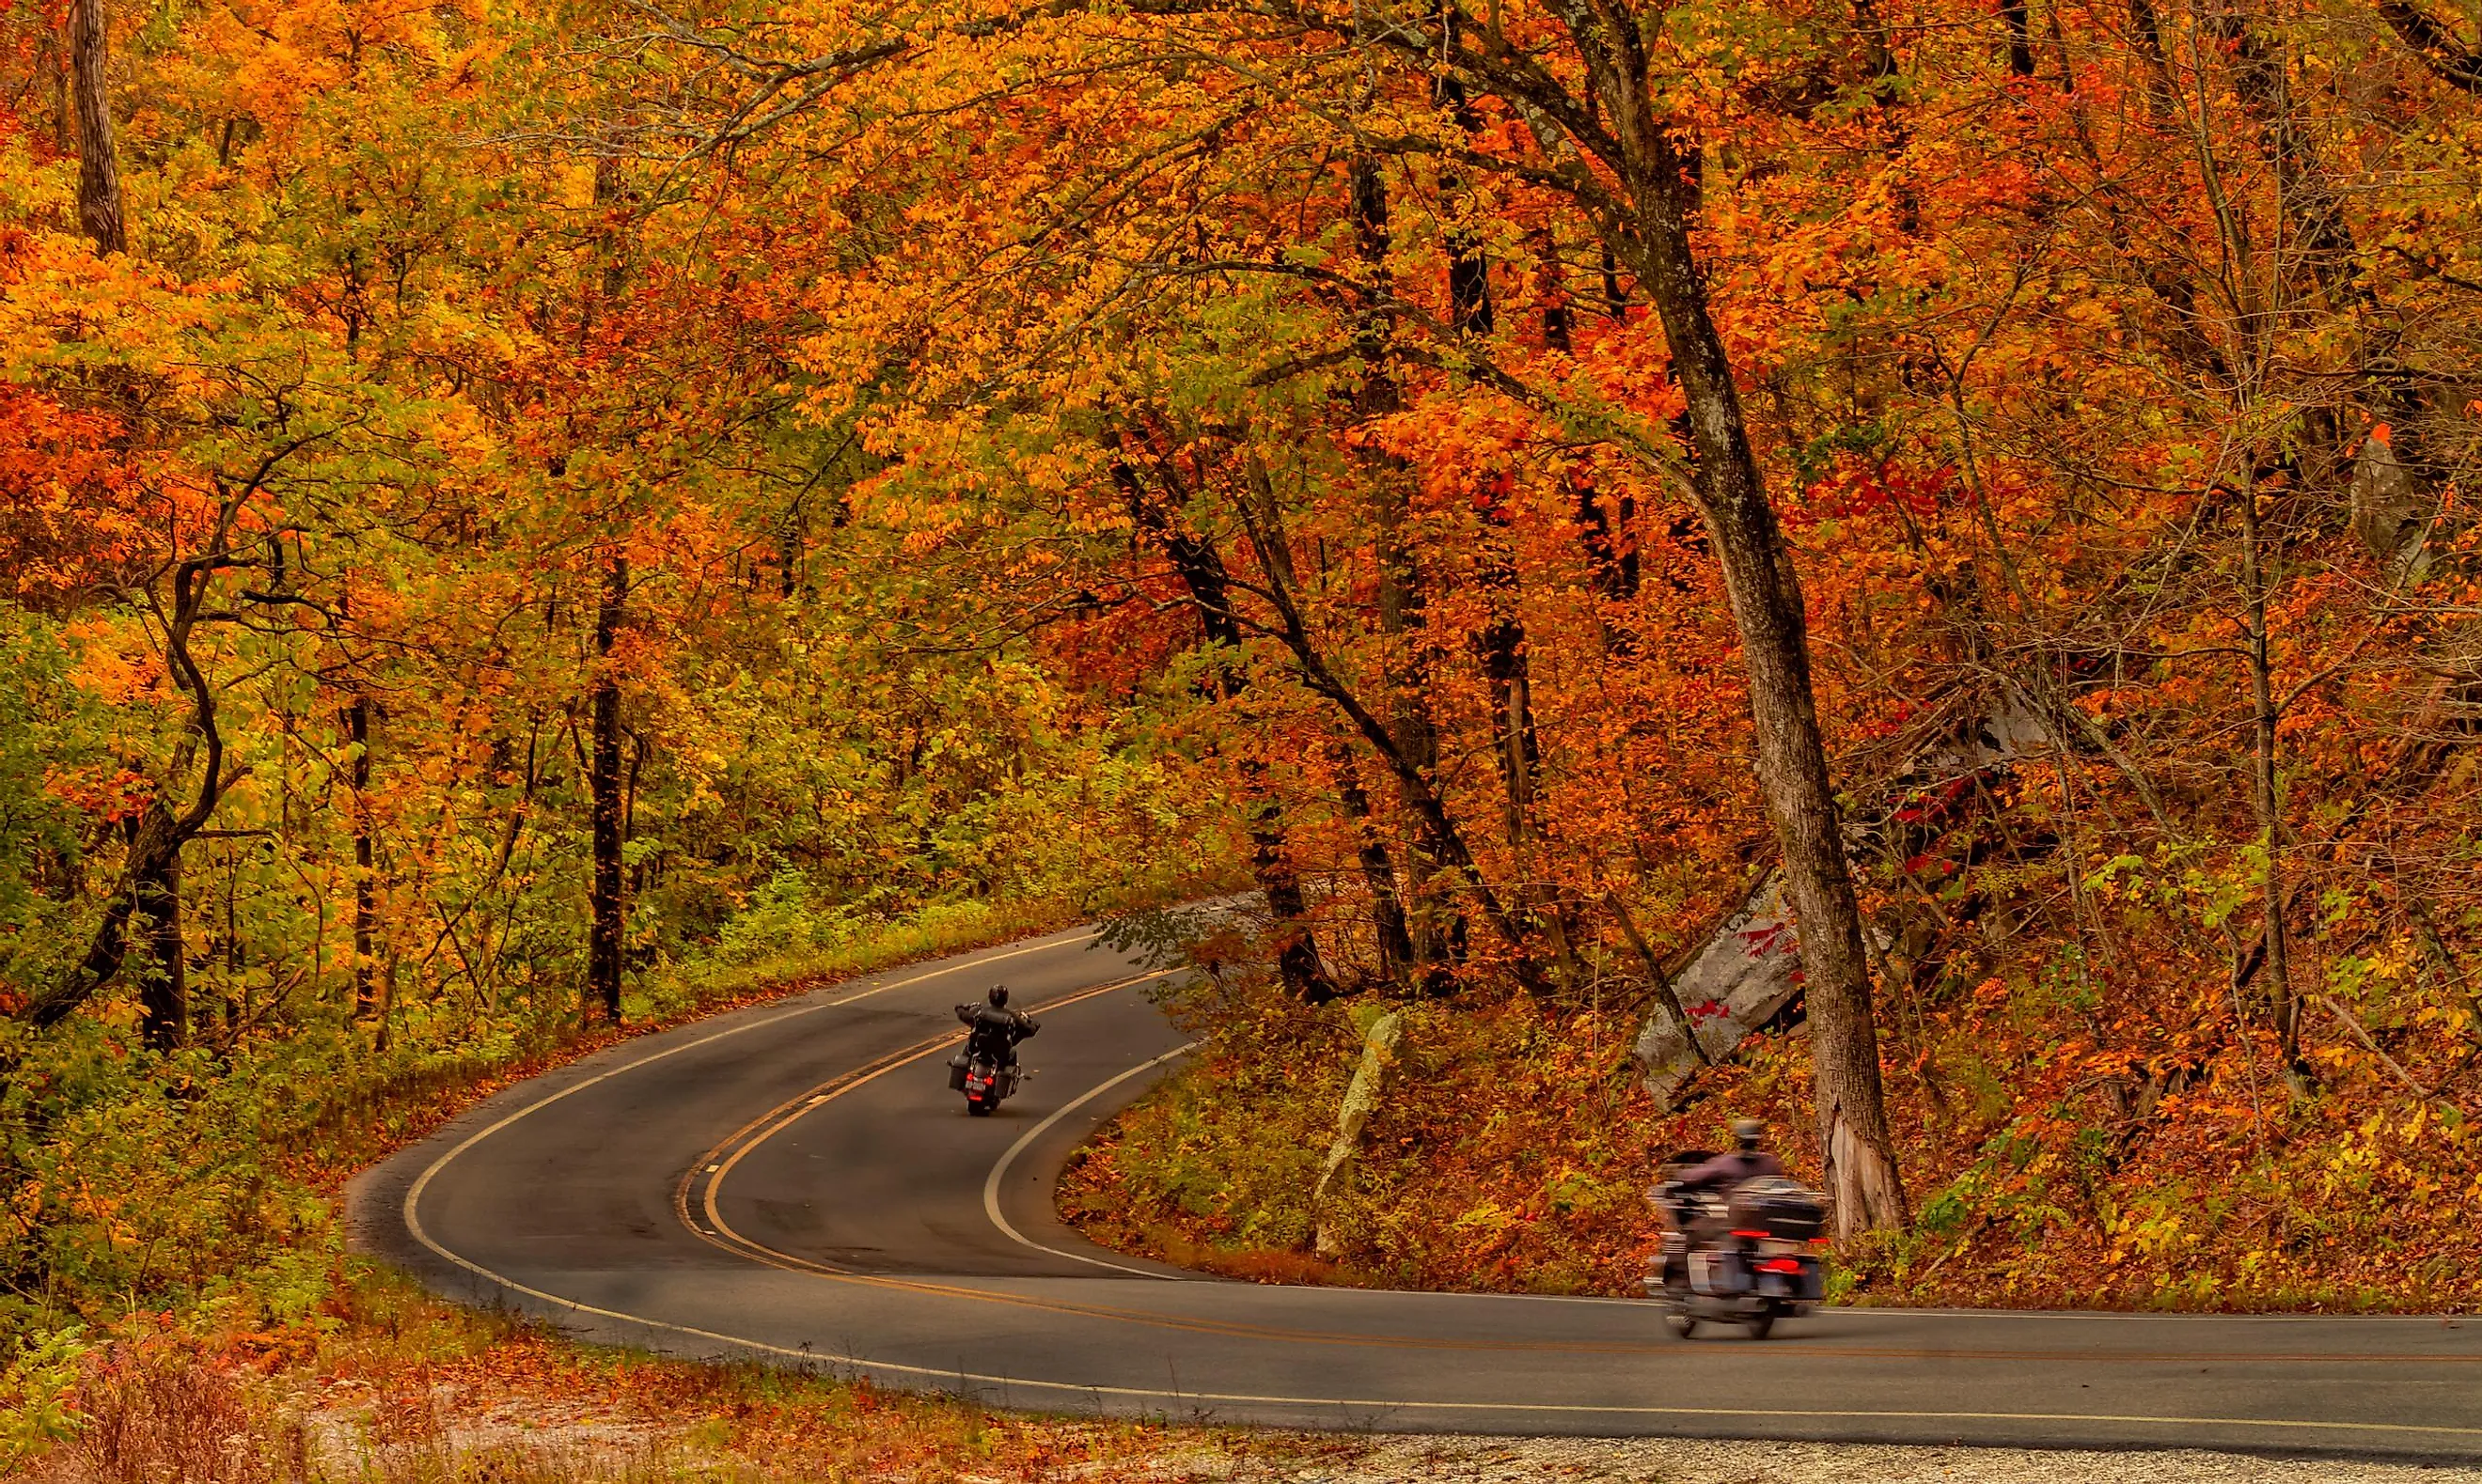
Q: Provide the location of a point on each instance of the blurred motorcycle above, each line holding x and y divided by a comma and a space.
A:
1741, 1256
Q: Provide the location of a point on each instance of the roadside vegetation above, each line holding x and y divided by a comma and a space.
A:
1510, 1151
523, 522
388, 1385
200, 1228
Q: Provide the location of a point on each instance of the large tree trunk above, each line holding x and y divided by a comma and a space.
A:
1766, 603
609, 900
1643, 212
99, 209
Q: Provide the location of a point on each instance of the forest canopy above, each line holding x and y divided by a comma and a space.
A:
525, 518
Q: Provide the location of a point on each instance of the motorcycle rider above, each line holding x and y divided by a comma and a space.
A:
996, 1029
1724, 1174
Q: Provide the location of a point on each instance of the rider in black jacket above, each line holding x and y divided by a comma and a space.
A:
1747, 1159
1723, 1173
996, 1029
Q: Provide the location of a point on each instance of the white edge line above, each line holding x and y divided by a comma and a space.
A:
415, 1229
946, 1374
414, 1193
999, 1171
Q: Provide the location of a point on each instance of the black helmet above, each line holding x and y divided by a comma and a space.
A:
998, 995
1748, 1134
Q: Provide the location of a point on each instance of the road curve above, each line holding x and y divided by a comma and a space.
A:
796, 1183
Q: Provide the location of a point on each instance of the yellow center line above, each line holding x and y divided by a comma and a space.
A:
717, 1164
776, 1118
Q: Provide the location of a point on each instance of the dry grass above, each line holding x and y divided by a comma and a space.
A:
1249, 1264
391, 1387
162, 1415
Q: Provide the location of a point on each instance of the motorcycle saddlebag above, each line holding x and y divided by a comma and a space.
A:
957, 1073
1779, 1208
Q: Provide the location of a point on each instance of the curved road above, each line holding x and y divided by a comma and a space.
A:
796, 1183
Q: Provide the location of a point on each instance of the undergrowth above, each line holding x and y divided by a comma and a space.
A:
155, 1187
1514, 1145
390, 1386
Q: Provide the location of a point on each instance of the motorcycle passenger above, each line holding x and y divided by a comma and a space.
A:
1724, 1174
996, 1029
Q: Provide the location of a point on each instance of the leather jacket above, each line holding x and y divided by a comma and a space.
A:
996, 1031
1729, 1169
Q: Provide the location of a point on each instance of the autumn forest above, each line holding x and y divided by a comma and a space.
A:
525, 520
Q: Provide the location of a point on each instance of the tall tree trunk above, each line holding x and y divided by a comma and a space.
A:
2021, 40
1470, 306
1400, 597
609, 900
2283, 1003
1612, 556
1515, 743
1610, 549
2314, 209
99, 210
1512, 718
2262, 80
155, 900
1387, 922
2440, 48
1436, 830
1766, 602
1298, 967
1202, 573
366, 899
148, 900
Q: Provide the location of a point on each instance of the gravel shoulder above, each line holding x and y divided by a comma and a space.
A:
1387, 1460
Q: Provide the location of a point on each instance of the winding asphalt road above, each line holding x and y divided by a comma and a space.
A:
796, 1183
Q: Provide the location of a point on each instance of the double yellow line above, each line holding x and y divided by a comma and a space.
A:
716, 1166
719, 1161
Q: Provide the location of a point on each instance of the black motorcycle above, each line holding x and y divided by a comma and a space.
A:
1753, 1263
984, 1081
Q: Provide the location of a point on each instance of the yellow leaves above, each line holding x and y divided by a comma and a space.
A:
60, 305
110, 664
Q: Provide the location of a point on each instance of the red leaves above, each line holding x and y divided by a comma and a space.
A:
1857, 487
68, 495
111, 797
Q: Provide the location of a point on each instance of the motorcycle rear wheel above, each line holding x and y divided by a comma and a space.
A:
1683, 1323
977, 1109
1760, 1323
